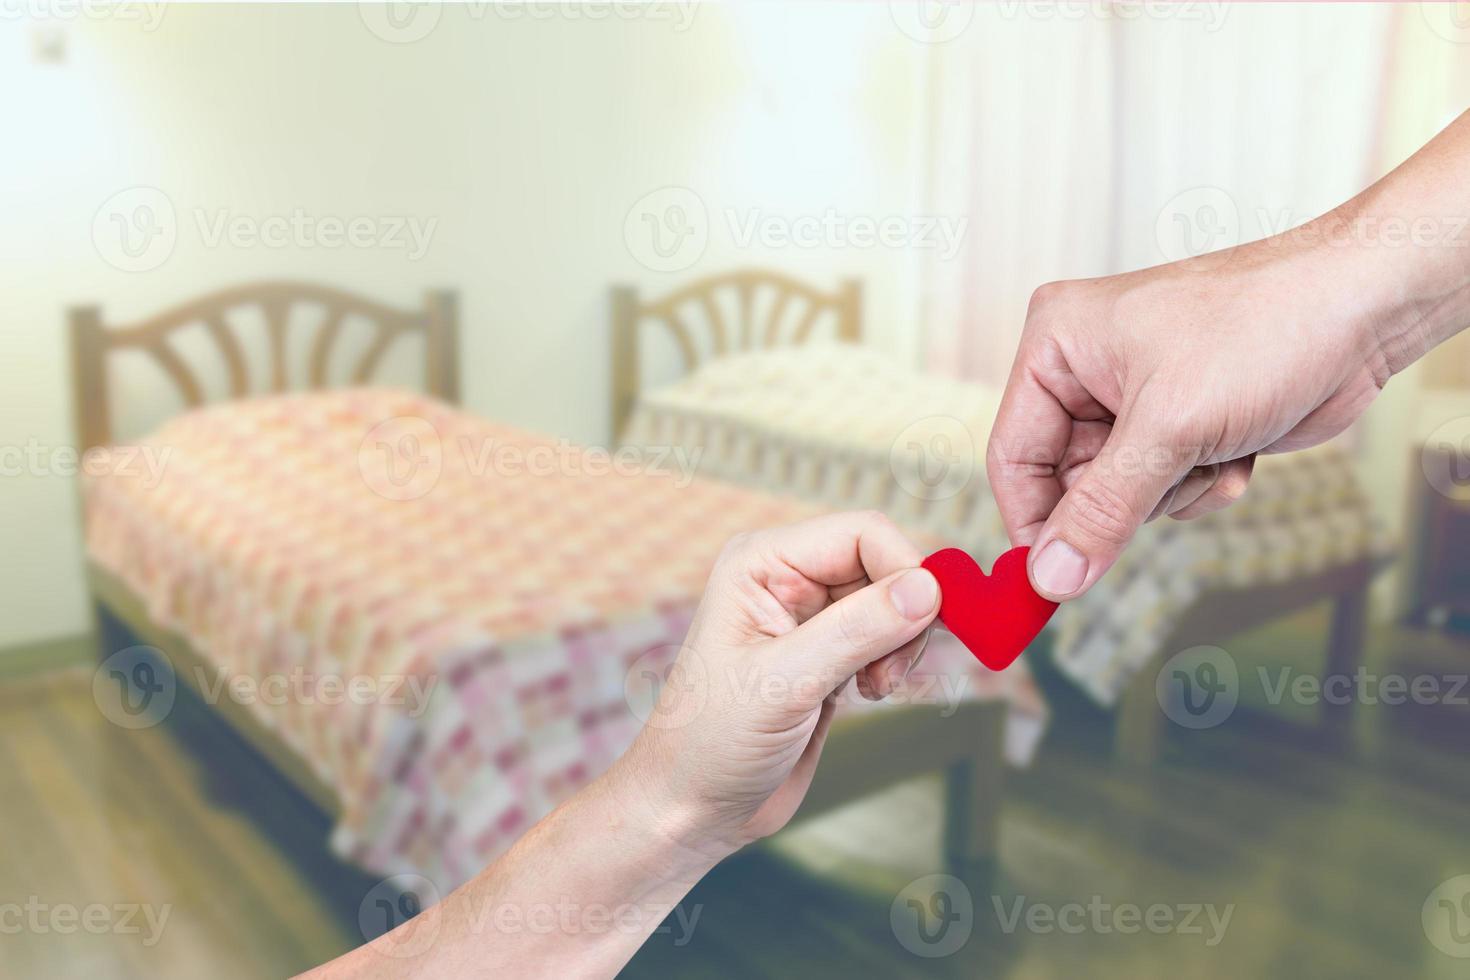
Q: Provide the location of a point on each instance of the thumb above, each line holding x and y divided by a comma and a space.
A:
858, 629
1100, 513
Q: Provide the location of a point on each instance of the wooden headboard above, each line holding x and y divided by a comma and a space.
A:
696, 317
92, 343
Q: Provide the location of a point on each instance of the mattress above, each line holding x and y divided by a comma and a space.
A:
848, 427
509, 589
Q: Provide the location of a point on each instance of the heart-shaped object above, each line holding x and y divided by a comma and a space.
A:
997, 615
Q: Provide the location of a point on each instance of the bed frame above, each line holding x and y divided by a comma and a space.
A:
1139, 733
695, 317
863, 753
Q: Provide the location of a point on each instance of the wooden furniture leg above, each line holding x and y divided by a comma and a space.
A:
1345, 642
972, 791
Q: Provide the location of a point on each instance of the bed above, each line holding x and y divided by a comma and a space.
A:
362, 532
766, 377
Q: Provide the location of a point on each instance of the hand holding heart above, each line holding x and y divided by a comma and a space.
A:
788, 617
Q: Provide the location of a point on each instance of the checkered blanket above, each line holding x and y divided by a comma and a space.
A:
502, 601
842, 425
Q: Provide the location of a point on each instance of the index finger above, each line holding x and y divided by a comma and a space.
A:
838, 549
1023, 460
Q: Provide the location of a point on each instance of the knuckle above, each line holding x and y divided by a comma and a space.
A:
875, 517
1100, 513
1046, 298
735, 548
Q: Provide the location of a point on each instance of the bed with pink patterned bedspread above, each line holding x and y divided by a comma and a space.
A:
500, 593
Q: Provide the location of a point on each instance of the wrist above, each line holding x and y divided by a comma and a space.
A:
1404, 281
666, 831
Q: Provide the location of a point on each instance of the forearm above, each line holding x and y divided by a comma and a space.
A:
576, 896
1403, 245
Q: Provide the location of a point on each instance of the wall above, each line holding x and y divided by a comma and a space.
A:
527, 134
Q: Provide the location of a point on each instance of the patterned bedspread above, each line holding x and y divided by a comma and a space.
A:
500, 600
844, 426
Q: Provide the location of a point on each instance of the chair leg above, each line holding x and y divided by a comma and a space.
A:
973, 790
1345, 642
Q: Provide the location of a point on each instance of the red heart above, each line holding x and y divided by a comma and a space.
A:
995, 615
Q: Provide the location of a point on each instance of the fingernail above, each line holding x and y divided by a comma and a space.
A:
914, 593
1060, 568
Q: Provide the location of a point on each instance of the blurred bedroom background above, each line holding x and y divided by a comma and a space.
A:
536, 206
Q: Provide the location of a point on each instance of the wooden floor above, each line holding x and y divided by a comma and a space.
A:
1326, 854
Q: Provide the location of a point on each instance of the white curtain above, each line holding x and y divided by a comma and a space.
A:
1085, 139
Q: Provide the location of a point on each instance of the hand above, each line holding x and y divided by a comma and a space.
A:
1151, 393
788, 617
